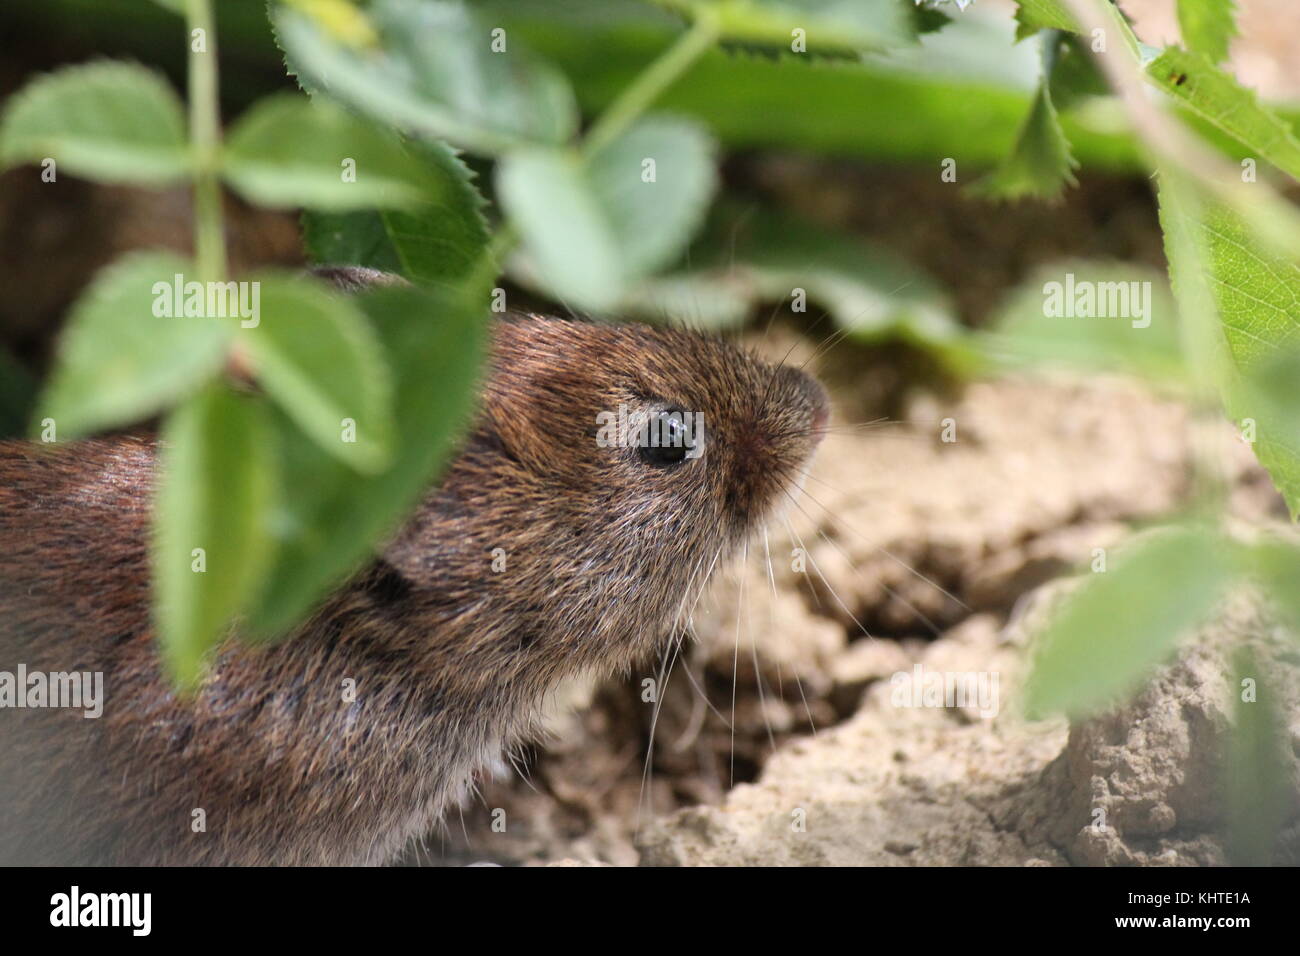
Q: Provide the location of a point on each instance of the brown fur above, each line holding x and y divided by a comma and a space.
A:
451, 659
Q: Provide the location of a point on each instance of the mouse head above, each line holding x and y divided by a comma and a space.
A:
691, 439
615, 466
610, 470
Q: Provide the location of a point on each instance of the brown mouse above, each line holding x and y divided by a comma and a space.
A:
605, 546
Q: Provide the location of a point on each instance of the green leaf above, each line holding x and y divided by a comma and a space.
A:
1035, 15
1277, 565
1090, 316
1257, 297
869, 292
1208, 26
316, 355
217, 493
435, 75
748, 256
910, 105
287, 151
1121, 623
119, 361
698, 298
1040, 163
1257, 779
350, 238
929, 19
1216, 96
115, 122
548, 197
652, 221
331, 518
1263, 401
829, 26
17, 395
591, 228
438, 241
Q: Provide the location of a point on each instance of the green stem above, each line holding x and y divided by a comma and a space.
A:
651, 83
205, 138
617, 117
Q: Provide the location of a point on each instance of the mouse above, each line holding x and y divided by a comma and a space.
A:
609, 469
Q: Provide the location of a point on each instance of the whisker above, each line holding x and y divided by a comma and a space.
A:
735, 668
808, 554
758, 671
934, 629
705, 697
841, 524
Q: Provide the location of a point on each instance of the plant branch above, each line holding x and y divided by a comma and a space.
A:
653, 81
618, 116
205, 138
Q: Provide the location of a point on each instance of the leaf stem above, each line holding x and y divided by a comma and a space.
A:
617, 117
653, 81
205, 137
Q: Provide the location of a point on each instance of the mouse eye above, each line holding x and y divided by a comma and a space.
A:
669, 437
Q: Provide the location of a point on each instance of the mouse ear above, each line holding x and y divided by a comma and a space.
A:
353, 279
531, 400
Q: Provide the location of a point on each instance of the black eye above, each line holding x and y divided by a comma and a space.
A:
669, 437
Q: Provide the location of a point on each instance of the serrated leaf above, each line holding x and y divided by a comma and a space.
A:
316, 355
217, 493
435, 75
591, 228
1257, 297
438, 241
1035, 15
115, 122
1208, 26
1111, 633
1216, 96
118, 360
288, 151
913, 104
434, 343
1090, 316
1040, 163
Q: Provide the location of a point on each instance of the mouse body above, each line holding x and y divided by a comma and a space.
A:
277, 758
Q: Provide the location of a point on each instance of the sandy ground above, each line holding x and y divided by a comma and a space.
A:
918, 552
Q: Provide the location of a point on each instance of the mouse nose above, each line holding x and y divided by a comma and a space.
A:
821, 415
